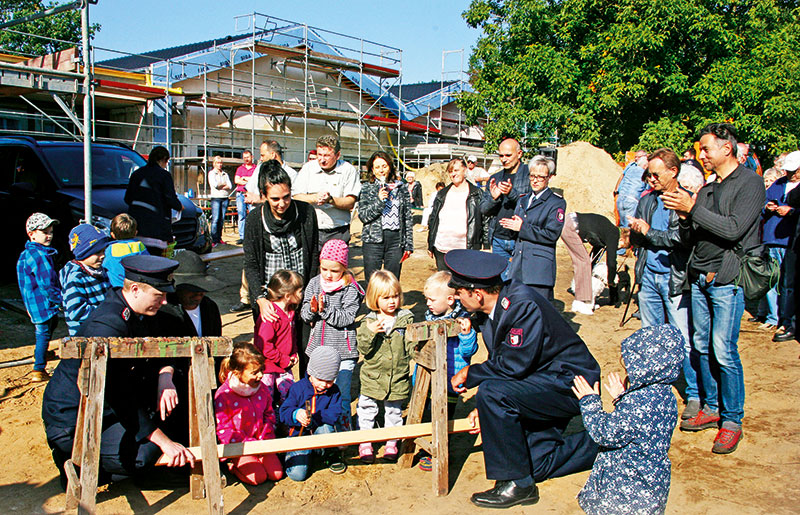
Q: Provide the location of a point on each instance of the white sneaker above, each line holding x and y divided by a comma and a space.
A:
583, 308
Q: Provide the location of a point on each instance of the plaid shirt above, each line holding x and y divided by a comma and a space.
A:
286, 255
83, 290
38, 282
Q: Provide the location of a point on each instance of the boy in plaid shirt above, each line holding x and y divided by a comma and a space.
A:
84, 281
38, 283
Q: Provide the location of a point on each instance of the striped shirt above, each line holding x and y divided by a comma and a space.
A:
83, 289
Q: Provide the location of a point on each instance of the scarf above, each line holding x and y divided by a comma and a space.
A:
240, 388
332, 286
96, 273
279, 226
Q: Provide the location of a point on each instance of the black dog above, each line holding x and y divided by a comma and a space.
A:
623, 285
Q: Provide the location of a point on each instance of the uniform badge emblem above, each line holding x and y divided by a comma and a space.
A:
515, 337
126, 314
560, 215
505, 303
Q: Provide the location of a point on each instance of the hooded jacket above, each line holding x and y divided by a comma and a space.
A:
632, 471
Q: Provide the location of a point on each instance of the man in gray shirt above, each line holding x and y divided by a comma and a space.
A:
719, 221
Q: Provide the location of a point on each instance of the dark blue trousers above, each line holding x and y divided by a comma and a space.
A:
522, 424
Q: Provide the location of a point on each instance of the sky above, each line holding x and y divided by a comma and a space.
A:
422, 29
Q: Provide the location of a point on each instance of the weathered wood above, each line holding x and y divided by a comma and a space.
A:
83, 387
280, 445
155, 347
206, 427
439, 440
222, 254
422, 331
424, 444
196, 478
416, 407
426, 356
93, 425
73, 485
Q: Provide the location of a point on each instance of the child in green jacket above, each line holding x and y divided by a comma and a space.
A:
385, 371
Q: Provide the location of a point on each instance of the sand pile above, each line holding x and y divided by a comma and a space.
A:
586, 177
429, 176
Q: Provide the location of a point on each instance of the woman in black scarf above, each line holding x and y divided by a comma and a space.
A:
279, 234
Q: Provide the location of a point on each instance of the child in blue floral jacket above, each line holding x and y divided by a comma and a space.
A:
632, 471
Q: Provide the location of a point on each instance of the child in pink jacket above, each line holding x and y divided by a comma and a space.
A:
243, 406
277, 339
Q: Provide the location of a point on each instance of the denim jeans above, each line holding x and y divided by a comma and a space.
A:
504, 248
773, 295
43, 334
343, 381
717, 314
242, 208
656, 306
298, 463
219, 207
386, 254
626, 206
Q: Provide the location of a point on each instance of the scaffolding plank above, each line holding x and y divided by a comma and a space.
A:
326, 60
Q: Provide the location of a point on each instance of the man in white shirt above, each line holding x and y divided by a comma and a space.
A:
331, 185
475, 174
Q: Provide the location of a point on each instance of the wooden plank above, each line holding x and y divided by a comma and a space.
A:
426, 356
416, 407
156, 347
281, 445
424, 444
439, 440
73, 492
426, 330
90, 461
206, 428
196, 478
222, 254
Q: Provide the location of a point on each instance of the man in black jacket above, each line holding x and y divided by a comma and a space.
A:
661, 264
720, 221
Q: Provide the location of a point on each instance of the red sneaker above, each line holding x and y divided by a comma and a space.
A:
726, 441
702, 421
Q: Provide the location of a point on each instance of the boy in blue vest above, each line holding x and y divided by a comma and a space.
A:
38, 283
123, 230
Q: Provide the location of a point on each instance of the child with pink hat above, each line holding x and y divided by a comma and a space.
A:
330, 304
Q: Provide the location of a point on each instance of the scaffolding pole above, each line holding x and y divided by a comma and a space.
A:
87, 115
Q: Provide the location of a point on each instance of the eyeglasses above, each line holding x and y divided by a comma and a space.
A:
539, 177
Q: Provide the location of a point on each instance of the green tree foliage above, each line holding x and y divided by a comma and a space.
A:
629, 73
65, 26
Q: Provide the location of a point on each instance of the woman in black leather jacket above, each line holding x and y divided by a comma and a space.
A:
458, 207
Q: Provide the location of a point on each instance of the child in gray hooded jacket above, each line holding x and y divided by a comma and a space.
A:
632, 471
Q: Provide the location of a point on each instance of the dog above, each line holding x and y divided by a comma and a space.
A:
615, 293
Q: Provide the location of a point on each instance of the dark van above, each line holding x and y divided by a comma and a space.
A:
47, 176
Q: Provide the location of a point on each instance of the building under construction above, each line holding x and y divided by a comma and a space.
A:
272, 79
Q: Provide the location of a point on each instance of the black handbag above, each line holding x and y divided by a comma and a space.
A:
758, 272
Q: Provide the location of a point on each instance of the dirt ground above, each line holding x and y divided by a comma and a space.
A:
760, 477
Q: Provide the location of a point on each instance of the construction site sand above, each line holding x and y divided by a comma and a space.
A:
586, 177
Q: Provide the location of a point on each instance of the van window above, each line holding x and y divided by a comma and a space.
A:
111, 166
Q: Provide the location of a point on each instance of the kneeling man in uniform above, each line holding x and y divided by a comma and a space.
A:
524, 400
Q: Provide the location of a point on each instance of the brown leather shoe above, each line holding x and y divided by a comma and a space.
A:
39, 376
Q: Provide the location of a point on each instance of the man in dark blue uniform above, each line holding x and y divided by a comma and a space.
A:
538, 221
131, 441
524, 400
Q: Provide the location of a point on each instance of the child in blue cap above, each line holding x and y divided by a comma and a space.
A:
84, 281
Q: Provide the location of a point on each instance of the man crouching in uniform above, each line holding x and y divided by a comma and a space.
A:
524, 401
131, 441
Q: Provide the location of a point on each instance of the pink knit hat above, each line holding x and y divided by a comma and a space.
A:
334, 250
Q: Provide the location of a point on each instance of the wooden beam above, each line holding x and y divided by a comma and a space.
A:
204, 410
439, 445
93, 427
156, 347
222, 254
281, 445
426, 330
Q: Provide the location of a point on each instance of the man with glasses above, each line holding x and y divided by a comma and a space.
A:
500, 199
661, 264
720, 221
537, 224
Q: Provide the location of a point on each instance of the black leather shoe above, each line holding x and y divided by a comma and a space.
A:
506, 494
239, 306
785, 336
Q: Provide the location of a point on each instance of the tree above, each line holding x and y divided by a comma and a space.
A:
624, 73
65, 26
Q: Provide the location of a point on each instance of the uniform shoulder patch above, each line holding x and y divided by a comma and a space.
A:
560, 215
126, 314
505, 302
557, 194
515, 337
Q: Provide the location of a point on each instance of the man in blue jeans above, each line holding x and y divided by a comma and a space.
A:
721, 219
661, 265
502, 194
243, 175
